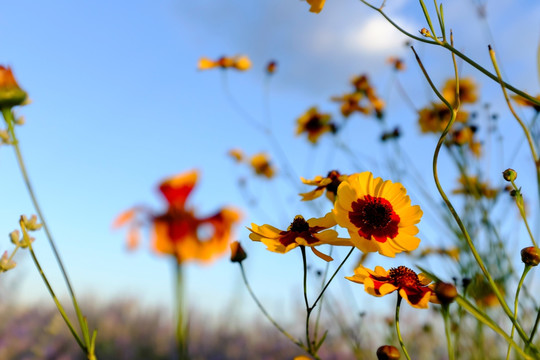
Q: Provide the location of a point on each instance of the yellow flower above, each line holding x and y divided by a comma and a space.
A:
467, 91
262, 166
316, 5
239, 62
436, 117
10, 92
411, 286
378, 214
329, 183
465, 136
524, 102
350, 103
314, 124
313, 232
236, 154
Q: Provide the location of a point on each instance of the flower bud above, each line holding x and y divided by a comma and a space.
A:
10, 92
32, 224
15, 237
530, 256
445, 292
388, 352
509, 174
271, 67
237, 252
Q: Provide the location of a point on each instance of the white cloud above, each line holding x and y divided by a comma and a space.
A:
375, 36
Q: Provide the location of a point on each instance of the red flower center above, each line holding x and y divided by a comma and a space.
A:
299, 228
314, 123
403, 277
374, 216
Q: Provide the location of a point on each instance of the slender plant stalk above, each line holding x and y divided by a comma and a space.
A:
398, 332
516, 303
308, 308
181, 325
446, 316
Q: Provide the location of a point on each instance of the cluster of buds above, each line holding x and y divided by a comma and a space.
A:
23, 242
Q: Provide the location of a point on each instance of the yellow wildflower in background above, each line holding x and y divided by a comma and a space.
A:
467, 91
262, 166
525, 102
311, 233
316, 5
471, 186
436, 117
350, 103
411, 286
378, 214
238, 62
314, 124
329, 184
236, 154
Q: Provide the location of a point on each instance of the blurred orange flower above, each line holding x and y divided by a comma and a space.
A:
525, 102
397, 63
178, 231
329, 183
262, 166
316, 5
313, 232
467, 91
471, 186
411, 286
10, 92
436, 117
239, 62
314, 124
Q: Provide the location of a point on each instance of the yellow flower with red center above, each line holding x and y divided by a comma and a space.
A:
436, 117
411, 286
314, 124
378, 214
467, 91
10, 92
262, 165
178, 231
316, 5
238, 62
312, 232
329, 184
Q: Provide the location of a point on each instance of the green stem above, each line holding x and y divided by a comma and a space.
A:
446, 316
308, 308
9, 118
181, 326
516, 302
454, 213
401, 343
254, 297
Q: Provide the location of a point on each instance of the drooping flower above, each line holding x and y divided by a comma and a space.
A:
525, 102
10, 92
411, 286
329, 183
436, 117
467, 91
314, 124
378, 214
179, 231
238, 62
316, 5
262, 166
311, 233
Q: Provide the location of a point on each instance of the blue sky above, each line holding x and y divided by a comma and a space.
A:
118, 105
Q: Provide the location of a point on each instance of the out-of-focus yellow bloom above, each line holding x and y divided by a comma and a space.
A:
378, 214
467, 91
411, 286
239, 62
316, 5
524, 102
436, 117
314, 124
262, 165
178, 231
451, 252
236, 154
311, 233
396, 63
329, 183
465, 136
10, 92
480, 290
350, 103
363, 92
471, 186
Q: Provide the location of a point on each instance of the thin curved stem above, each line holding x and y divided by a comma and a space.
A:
308, 308
516, 302
401, 343
447, 331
